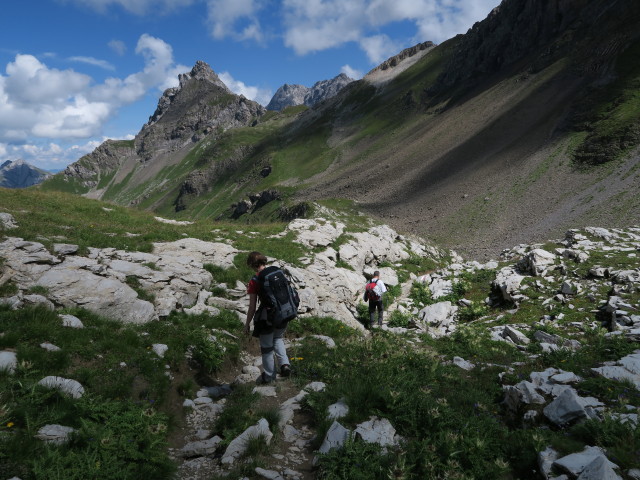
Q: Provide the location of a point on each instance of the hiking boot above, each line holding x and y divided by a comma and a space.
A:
263, 379
285, 370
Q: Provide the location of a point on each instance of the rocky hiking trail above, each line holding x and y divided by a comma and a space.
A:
290, 452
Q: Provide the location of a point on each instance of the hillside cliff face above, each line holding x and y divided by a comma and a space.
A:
592, 31
293, 95
20, 174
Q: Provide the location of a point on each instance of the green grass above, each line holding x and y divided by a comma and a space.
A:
126, 413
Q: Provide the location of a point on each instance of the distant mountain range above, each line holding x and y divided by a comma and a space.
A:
489, 139
20, 174
293, 95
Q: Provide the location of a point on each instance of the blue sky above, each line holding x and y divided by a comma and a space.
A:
76, 72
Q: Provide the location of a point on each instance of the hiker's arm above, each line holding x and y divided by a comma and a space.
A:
253, 300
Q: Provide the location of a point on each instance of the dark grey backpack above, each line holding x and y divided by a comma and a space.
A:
278, 296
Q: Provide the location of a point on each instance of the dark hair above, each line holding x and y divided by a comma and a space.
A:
376, 273
256, 259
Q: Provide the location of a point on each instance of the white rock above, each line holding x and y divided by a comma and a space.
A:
337, 410
65, 249
239, 444
50, 347
377, 430
71, 321
7, 221
575, 463
65, 385
159, 349
8, 361
335, 438
201, 448
462, 363
268, 474
55, 434
268, 391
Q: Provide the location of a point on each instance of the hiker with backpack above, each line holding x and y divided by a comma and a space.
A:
373, 292
278, 305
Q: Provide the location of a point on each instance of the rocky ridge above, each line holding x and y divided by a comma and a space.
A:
20, 174
293, 95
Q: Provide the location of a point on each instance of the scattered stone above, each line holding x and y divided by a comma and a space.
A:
328, 341
50, 347
462, 363
71, 321
377, 430
523, 392
201, 447
516, 336
268, 474
7, 222
537, 261
546, 458
159, 349
65, 249
39, 300
70, 387
8, 361
575, 463
337, 410
599, 469
566, 408
266, 391
55, 434
335, 438
239, 444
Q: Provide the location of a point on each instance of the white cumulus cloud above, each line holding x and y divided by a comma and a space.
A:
237, 19
260, 95
93, 61
118, 46
137, 7
351, 72
43, 102
315, 25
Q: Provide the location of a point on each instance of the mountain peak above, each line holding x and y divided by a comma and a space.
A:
20, 174
203, 72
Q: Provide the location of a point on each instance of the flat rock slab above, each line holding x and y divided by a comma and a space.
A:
627, 368
575, 463
377, 430
201, 448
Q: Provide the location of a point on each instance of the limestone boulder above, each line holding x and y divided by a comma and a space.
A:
537, 261
507, 283
190, 250
7, 222
72, 287
67, 386
316, 232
